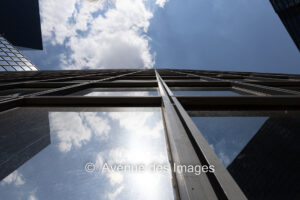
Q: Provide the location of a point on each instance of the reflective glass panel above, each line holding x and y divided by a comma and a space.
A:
118, 92
205, 93
18, 68
19, 92
3, 62
26, 68
9, 68
259, 149
90, 153
228, 135
123, 93
292, 88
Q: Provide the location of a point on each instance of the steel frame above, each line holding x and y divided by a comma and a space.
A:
263, 92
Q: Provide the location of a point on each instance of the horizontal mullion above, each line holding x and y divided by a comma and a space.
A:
244, 102
116, 101
277, 83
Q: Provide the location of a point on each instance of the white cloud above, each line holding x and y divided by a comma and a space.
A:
76, 129
97, 124
114, 39
69, 129
99, 161
15, 178
56, 16
116, 155
114, 177
115, 194
161, 3
32, 197
137, 123
224, 158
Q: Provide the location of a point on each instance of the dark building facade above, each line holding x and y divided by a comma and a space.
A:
21, 146
289, 13
53, 122
264, 168
20, 23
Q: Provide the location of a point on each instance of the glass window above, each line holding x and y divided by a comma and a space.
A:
26, 68
11, 54
28, 64
256, 147
2, 62
9, 46
228, 135
2, 53
72, 154
15, 94
118, 92
33, 68
5, 49
18, 68
20, 91
122, 93
12, 62
184, 80
4, 42
7, 58
15, 59
292, 88
9, 68
2, 69
131, 80
204, 91
20, 63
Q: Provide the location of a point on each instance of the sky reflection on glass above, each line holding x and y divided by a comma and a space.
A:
123, 93
77, 138
206, 93
228, 135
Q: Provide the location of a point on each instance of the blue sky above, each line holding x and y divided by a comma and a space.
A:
198, 34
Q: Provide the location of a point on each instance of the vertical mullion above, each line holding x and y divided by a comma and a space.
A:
189, 186
223, 184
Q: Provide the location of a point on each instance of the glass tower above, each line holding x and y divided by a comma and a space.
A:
11, 59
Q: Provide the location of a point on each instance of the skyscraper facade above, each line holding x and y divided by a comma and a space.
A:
61, 130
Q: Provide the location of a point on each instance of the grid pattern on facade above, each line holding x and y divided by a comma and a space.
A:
289, 13
12, 59
202, 93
